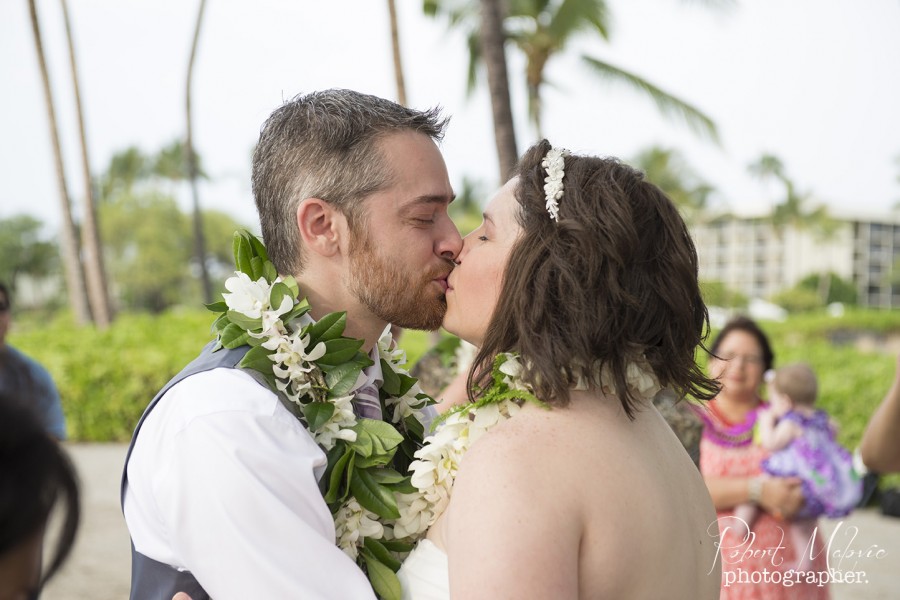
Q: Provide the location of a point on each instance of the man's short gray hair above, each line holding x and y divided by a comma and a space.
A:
324, 145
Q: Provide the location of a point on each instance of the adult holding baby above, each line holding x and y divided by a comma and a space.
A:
731, 464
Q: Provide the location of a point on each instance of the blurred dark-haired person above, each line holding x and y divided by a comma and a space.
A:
35, 476
23, 377
880, 444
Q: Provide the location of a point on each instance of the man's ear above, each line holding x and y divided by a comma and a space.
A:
320, 226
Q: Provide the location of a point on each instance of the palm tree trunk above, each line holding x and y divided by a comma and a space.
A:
492, 48
191, 158
70, 256
90, 237
395, 47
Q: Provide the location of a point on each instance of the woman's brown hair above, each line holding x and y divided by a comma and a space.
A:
613, 281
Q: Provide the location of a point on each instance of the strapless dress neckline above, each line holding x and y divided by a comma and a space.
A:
425, 574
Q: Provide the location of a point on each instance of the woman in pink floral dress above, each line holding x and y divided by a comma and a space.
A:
756, 564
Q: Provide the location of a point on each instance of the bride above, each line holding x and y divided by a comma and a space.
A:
587, 275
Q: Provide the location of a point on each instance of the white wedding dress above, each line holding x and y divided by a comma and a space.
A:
425, 574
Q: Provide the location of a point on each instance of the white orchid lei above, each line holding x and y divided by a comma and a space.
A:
314, 370
438, 461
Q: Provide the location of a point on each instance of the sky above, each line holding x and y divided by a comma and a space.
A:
814, 82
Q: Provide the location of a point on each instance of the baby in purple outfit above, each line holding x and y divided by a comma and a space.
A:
802, 441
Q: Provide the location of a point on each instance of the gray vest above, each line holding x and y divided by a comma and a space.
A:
151, 579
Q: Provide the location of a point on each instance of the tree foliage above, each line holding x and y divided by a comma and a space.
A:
148, 237
667, 169
716, 293
543, 29
839, 290
23, 251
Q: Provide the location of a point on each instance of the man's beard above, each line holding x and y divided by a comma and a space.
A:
392, 294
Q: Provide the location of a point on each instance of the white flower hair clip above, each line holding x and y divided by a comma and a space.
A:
554, 163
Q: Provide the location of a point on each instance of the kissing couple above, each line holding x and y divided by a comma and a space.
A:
268, 468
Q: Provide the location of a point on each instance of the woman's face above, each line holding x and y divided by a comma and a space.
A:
474, 285
741, 369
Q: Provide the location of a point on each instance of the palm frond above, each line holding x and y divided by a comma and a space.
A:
573, 15
668, 104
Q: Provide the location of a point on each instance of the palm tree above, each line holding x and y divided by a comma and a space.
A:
191, 159
794, 210
492, 44
70, 254
486, 39
541, 29
90, 236
666, 169
395, 48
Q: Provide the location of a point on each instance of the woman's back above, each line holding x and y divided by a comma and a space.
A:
580, 502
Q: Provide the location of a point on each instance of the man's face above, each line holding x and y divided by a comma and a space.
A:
401, 248
4, 317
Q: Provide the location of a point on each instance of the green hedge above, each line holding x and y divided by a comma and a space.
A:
107, 378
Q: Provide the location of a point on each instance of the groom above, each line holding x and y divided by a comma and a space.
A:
220, 490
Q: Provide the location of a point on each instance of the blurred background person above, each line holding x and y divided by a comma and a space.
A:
731, 464
801, 438
35, 475
23, 377
880, 444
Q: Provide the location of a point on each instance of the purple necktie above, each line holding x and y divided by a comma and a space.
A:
366, 403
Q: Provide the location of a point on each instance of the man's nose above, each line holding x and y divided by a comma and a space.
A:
449, 243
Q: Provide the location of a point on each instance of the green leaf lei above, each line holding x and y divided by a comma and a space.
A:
313, 368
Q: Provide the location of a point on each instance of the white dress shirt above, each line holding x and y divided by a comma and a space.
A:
223, 482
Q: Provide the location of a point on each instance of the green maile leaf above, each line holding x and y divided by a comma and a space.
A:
372, 495
391, 383
341, 379
248, 323
384, 581
406, 383
339, 351
270, 273
258, 248
395, 546
257, 265
329, 327
317, 414
380, 552
386, 476
276, 296
291, 283
299, 309
408, 452
242, 254
217, 307
376, 460
337, 475
331, 458
375, 437
405, 486
220, 323
414, 427
257, 358
233, 336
